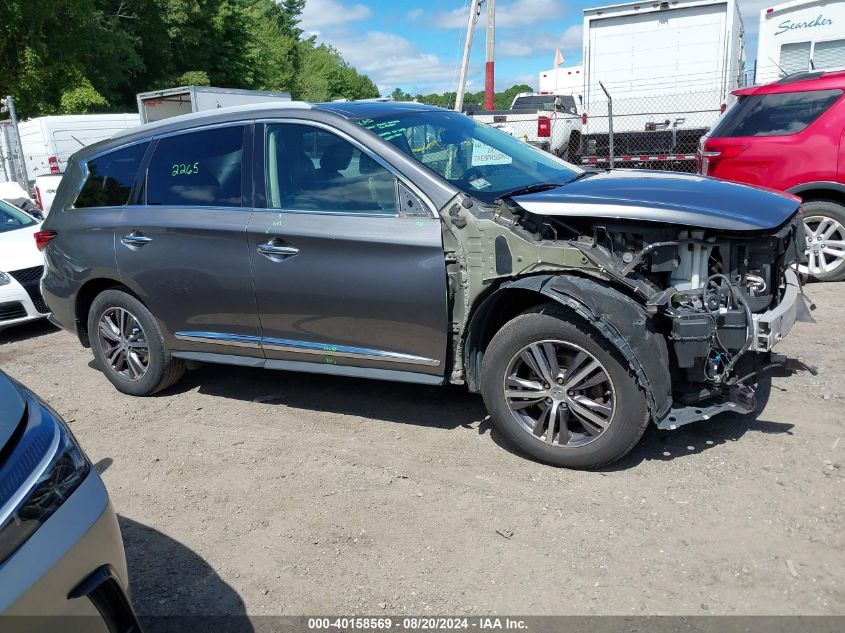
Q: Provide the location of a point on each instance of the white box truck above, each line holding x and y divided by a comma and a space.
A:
800, 36
162, 104
669, 67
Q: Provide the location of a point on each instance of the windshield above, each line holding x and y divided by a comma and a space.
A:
477, 159
12, 218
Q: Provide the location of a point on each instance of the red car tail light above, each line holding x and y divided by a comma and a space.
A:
42, 238
544, 127
709, 156
54, 165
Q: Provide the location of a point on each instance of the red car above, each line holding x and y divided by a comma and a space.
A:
790, 136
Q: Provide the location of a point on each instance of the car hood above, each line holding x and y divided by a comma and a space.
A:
18, 250
688, 200
12, 408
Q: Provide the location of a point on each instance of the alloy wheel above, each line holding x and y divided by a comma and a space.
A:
825, 245
124, 343
559, 393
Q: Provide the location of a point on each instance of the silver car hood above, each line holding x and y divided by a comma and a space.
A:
649, 196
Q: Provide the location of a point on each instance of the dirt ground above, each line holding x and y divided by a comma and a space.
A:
263, 492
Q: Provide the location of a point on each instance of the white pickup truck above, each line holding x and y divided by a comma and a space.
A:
549, 121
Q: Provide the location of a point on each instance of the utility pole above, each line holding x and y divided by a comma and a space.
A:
462, 82
489, 72
9, 105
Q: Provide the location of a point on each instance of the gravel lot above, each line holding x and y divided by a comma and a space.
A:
274, 493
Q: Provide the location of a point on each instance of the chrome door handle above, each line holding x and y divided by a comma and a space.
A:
271, 250
136, 238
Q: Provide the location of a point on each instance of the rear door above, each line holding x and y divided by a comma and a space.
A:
341, 276
182, 246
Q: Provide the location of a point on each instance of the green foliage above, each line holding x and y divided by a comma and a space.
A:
82, 99
193, 78
88, 55
326, 76
502, 100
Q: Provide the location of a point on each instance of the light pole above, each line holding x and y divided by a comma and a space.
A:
459, 96
9, 105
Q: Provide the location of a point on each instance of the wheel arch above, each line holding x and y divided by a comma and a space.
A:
811, 191
618, 318
85, 297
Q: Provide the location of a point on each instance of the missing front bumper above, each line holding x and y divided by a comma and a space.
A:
739, 397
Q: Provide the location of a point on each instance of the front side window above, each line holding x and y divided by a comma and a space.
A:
775, 114
477, 159
110, 178
310, 169
202, 168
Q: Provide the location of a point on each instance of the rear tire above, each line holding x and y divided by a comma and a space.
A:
824, 221
128, 345
597, 424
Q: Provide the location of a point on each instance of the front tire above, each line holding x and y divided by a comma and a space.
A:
560, 392
824, 222
128, 345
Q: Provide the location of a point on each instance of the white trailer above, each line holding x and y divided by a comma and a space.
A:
669, 67
800, 36
162, 104
47, 142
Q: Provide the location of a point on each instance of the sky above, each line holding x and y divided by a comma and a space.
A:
417, 45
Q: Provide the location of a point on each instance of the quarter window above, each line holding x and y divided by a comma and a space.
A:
309, 169
198, 169
774, 114
110, 178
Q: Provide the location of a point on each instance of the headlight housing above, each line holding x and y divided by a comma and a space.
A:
4, 278
43, 469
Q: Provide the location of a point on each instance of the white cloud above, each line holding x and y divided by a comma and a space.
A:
750, 10
319, 14
393, 61
415, 14
512, 14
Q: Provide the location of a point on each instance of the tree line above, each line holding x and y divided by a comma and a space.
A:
74, 56
502, 100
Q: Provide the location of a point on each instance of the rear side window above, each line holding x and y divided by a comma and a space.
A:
197, 169
110, 178
544, 102
774, 115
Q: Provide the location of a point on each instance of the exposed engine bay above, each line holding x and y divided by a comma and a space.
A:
711, 290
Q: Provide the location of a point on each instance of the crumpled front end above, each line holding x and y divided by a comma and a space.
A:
722, 300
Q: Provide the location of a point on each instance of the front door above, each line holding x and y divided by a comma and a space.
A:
341, 278
183, 248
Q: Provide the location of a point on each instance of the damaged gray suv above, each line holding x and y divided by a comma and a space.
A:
404, 242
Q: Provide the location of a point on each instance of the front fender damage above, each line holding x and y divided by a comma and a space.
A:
621, 321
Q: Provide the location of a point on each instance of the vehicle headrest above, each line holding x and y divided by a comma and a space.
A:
336, 157
367, 165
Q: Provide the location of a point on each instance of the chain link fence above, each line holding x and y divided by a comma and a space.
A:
629, 130
641, 131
